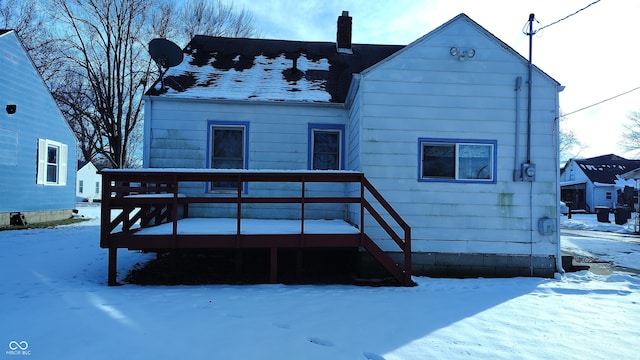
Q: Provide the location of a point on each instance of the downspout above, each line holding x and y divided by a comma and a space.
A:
556, 129
529, 96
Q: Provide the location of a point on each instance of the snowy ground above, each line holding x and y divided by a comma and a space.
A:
54, 304
605, 243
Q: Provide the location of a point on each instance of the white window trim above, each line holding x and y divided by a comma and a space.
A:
41, 176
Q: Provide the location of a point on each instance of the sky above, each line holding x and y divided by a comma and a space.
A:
55, 304
594, 53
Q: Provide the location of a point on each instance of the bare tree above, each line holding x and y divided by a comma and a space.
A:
631, 134
74, 98
570, 145
93, 56
202, 17
32, 26
162, 19
104, 45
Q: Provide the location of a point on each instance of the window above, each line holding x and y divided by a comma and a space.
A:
608, 195
53, 152
457, 160
228, 149
326, 143
52, 163
80, 186
97, 187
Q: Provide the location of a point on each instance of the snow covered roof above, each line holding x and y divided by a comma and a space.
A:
606, 169
267, 70
633, 174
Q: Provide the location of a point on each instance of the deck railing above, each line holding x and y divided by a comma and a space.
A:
147, 197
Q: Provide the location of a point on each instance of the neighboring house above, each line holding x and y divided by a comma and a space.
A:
439, 127
595, 182
37, 147
89, 186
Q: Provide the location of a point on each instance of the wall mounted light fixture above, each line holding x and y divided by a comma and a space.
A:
11, 109
461, 54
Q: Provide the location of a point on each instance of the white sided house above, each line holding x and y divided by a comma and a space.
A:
37, 146
588, 184
440, 127
89, 186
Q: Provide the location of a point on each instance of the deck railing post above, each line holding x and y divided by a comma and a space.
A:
112, 267
273, 273
239, 205
174, 209
302, 214
362, 205
105, 210
407, 256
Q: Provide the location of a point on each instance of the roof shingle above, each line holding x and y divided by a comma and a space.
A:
267, 70
605, 169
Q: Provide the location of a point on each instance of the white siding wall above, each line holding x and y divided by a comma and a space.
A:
354, 139
600, 196
89, 177
278, 140
425, 92
595, 194
573, 172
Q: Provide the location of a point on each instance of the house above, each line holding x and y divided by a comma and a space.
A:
89, 182
596, 182
440, 127
37, 147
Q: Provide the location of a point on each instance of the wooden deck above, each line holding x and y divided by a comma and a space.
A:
144, 209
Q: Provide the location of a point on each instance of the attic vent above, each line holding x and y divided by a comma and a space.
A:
343, 37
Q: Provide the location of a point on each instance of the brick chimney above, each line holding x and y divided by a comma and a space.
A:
343, 37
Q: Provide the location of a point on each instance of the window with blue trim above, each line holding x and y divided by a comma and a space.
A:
457, 160
228, 149
326, 144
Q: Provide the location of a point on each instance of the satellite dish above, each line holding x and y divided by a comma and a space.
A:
166, 54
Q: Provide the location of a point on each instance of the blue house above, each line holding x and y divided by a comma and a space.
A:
438, 126
37, 147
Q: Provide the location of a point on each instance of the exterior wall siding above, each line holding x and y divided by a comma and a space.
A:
425, 92
89, 176
420, 92
36, 117
278, 140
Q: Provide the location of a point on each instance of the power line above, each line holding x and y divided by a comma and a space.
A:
564, 18
600, 102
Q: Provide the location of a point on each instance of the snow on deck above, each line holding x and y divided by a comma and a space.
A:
228, 226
